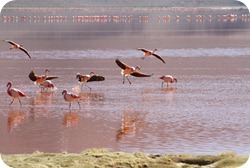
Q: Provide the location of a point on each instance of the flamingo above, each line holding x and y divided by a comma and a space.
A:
47, 84
168, 79
39, 79
150, 53
128, 70
15, 45
70, 97
89, 78
15, 93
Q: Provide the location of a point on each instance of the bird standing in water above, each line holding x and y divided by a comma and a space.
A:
129, 70
15, 93
168, 79
17, 46
70, 97
148, 53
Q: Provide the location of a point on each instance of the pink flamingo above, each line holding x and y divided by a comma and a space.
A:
17, 46
71, 97
129, 70
168, 79
39, 79
15, 93
47, 84
150, 53
89, 78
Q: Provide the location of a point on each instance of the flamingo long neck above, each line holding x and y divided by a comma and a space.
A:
46, 73
8, 90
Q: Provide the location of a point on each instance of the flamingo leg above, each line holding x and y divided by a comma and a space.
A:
69, 105
88, 87
162, 85
123, 79
20, 102
78, 104
11, 102
128, 80
81, 86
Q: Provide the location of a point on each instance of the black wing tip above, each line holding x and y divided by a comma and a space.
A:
96, 78
32, 76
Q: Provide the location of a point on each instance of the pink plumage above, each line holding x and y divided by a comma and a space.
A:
15, 93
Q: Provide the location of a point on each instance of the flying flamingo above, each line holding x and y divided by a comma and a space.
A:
71, 97
17, 46
89, 78
129, 70
150, 53
15, 93
168, 79
39, 79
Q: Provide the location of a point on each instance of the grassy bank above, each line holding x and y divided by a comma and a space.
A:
104, 158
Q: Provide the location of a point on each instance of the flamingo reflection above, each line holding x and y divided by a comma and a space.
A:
131, 123
15, 118
98, 97
43, 98
70, 119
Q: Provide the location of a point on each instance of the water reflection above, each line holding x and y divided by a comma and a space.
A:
15, 118
131, 124
70, 119
43, 98
89, 96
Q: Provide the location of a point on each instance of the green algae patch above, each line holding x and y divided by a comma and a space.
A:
99, 158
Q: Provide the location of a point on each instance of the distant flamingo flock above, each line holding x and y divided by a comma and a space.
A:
232, 17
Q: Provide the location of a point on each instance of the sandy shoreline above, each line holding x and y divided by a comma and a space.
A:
104, 158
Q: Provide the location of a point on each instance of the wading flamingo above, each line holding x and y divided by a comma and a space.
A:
168, 79
148, 53
129, 70
70, 97
39, 79
89, 78
15, 93
47, 84
17, 46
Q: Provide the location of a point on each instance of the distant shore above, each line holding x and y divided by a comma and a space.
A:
105, 158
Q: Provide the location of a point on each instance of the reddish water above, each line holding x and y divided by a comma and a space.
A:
206, 112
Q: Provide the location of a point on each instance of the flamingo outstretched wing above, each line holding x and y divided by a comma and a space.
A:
159, 57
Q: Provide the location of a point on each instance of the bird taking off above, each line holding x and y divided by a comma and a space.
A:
89, 78
39, 79
148, 53
129, 70
17, 46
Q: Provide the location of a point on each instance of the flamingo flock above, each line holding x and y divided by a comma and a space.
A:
44, 81
232, 17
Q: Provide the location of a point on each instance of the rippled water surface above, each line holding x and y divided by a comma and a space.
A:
206, 112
